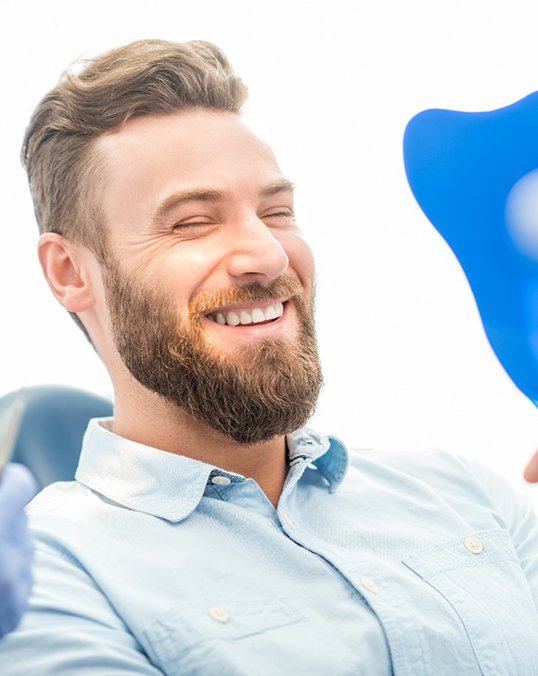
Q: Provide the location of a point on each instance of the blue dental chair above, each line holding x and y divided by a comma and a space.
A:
53, 422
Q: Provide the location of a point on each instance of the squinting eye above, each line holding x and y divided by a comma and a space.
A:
191, 224
282, 215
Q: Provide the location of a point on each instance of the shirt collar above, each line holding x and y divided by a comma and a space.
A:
328, 453
170, 486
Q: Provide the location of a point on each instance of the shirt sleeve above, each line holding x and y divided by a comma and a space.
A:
70, 627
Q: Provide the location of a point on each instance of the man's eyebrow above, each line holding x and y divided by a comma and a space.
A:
280, 185
181, 197
184, 197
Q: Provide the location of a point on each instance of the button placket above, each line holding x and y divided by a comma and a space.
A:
286, 519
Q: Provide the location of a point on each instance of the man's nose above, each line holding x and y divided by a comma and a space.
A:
255, 253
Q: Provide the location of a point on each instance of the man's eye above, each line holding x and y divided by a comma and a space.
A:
190, 224
287, 216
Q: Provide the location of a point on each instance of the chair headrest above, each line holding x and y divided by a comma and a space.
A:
52, 426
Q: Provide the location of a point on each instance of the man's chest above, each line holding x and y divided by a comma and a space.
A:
311, 590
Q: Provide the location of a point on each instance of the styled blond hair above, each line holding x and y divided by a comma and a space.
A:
146, 77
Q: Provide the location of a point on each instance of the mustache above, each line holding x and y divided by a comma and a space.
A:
284, 286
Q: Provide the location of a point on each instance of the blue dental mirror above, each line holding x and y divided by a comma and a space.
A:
475, 176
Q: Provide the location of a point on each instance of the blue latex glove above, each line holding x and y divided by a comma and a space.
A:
17, 487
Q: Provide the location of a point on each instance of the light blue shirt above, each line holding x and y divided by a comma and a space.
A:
413, 564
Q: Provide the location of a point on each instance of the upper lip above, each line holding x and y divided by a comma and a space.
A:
245, 306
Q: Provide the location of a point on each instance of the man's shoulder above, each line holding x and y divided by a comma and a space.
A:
443, 470
407, 459
63, 507
55, 497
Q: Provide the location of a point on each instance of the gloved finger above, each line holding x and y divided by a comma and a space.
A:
17, 488
13, 530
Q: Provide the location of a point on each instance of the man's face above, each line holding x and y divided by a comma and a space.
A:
209, 284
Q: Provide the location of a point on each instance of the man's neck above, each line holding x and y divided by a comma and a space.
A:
147, 419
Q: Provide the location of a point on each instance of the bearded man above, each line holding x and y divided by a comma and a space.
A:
208, 530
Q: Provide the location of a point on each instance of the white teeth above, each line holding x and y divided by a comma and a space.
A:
232, 318
244, 317
258, 316
270, 313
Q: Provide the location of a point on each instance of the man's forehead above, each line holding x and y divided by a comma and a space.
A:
201, 148
192, 128
151, 163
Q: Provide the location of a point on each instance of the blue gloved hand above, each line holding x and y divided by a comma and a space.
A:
17, 487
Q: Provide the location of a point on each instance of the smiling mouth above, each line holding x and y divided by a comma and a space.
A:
261, 314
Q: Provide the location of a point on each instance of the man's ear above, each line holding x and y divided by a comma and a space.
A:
66, 267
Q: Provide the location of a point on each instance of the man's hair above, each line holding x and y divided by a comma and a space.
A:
147, 77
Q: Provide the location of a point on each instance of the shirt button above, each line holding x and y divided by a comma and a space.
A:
219, 614
286, 519
473, 545
369, 584
220, 480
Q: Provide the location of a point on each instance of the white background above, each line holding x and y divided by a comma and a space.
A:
332, 86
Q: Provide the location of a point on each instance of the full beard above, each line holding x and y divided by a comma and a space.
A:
264, 391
